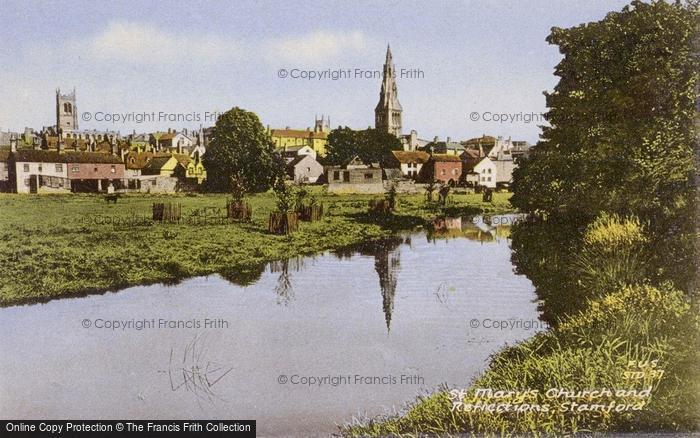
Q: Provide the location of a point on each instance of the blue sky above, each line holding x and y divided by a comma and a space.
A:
197, 57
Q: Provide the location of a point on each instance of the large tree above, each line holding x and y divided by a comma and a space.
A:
371, 145
621, 124
240, 151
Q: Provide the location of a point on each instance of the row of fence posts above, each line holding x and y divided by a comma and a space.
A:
279, 222
288, 222
238, 210
167, 212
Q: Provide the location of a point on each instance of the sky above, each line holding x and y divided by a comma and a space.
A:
469, 67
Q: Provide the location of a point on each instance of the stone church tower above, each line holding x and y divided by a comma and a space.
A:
387, 114
66, 112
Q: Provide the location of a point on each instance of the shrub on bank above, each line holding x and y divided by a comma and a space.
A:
611, 344
612, 255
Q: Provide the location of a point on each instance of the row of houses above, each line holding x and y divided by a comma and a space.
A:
61, 170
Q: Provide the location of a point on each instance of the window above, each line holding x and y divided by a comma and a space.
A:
95, 169
59, 167
26, 182
454, 171
40, 168
442, 172
336, 175
25, 167
113, 169
369, 175
75, 168
489, 170
489, 179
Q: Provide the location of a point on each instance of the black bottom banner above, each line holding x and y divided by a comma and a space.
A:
71, 428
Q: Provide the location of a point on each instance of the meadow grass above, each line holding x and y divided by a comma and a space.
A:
60, 245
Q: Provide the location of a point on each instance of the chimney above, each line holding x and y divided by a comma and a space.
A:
448, 140
13, 143
435, 139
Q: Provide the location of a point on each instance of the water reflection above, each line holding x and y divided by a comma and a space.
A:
307, 317
284, 290
387, 255
482, 229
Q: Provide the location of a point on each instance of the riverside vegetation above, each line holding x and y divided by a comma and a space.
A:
59, 245
612, 251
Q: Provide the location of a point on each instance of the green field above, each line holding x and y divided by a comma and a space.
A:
60, 245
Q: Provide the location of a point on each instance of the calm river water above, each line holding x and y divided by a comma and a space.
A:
310, 344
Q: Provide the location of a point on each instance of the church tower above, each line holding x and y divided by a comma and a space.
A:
66, 112
387, 114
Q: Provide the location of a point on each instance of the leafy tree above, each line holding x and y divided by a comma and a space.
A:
621, 126
371, 145
241, 150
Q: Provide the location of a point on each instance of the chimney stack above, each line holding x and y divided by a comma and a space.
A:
13, 142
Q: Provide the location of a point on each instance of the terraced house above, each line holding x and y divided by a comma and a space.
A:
293, 140
42, 171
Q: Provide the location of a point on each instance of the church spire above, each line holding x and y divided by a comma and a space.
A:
387, 114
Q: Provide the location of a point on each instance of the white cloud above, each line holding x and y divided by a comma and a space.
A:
316, 48
144, 43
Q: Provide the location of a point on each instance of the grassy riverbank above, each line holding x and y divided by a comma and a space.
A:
58, 245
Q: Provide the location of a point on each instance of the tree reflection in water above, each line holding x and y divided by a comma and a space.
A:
284, 290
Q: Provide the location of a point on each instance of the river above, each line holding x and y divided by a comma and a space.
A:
312, 343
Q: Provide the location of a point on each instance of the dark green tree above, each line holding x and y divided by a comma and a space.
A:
621, 126
371, 145
240, 150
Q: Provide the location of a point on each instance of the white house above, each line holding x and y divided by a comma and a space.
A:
291, 152
411, 162
35, 169
304, 169
487, 172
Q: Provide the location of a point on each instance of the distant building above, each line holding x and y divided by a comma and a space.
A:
304, 169
355, 177
411, 142
66, 112
295, 139
443, 168
5, 185
448, 147
35, 171
486, 171
291, 152
387, 113
172, 141
411, 162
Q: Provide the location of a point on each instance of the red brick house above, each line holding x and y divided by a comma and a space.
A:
443, 168
90, 172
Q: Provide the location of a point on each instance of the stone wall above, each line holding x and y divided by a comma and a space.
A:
373, 188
